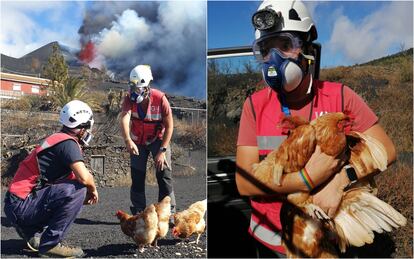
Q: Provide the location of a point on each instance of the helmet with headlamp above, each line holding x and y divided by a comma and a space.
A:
77, 116
283, 28
139, 82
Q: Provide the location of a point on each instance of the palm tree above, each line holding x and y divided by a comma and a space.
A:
73, 88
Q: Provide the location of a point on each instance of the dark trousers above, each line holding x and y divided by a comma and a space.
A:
52, 209
138, 174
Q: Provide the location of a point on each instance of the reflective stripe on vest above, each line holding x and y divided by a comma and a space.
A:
269, 142
269, 136
151, 127
270, 237
150, 117
28, 172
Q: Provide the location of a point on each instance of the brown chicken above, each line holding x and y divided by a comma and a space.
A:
163, 209
292, 155
360, 212
142, 228
190, 221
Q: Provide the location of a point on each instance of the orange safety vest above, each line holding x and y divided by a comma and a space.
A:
265, 222
28, 173
147, 130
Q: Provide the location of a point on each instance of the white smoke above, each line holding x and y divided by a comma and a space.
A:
169, 36
128, 32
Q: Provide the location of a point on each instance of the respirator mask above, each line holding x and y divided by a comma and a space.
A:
281, 57
138, 94
87, 135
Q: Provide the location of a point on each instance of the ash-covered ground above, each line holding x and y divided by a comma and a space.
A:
97, 229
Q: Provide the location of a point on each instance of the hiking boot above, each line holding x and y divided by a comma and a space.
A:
33, 243
63, 251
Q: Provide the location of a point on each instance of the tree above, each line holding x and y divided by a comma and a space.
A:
74, 88
56, 69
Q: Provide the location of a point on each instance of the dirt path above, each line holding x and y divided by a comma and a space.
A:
97, 230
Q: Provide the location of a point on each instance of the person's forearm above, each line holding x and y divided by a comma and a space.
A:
248, 185
169, 127
125, 120
167, 137
83, 175
89, 182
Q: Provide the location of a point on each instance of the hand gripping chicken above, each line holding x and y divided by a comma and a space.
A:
360, 212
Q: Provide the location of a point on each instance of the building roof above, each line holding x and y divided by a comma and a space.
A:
24, 79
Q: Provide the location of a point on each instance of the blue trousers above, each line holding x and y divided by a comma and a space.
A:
138, 173
51, 210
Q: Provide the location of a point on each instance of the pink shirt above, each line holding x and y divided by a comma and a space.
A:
364, 117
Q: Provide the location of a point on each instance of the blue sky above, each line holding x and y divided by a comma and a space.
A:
350, 32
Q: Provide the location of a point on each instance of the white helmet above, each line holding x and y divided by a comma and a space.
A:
76, 114
278, 16
141, 75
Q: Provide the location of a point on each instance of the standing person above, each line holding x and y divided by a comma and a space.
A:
52, 184
284, 35
147, 127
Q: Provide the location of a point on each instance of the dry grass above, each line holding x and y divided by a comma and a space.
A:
190, 135
222, 139
388, 89
395, 186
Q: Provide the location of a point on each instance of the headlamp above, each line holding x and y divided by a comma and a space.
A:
265, 19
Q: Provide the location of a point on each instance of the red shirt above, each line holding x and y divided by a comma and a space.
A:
365, 118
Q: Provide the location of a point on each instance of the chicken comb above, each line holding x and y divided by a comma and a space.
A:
119, 212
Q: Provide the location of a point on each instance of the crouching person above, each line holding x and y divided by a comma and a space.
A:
52, 184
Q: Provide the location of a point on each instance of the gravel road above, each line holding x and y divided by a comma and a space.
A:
97, 229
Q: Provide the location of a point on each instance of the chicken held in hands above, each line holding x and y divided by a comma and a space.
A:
327, 131
360, 212
190, 221
142, 228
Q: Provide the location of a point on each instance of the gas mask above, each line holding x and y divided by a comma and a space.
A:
87, 135
281, 57
86, 138
282, 72
138, 94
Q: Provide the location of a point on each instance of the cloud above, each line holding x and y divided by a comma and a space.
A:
169, 36
26, 26
378, 34
125, 35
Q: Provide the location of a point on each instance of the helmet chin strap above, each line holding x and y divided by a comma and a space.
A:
310, 84
311, 62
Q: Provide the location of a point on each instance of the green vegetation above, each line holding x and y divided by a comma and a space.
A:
56, 68
64, 88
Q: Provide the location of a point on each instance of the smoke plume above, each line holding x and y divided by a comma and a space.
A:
168, 36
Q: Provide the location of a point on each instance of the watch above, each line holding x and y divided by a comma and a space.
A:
163, 149
350, 172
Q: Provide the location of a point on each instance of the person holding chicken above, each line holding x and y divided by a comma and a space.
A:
52, 184
147, 127
284, 35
